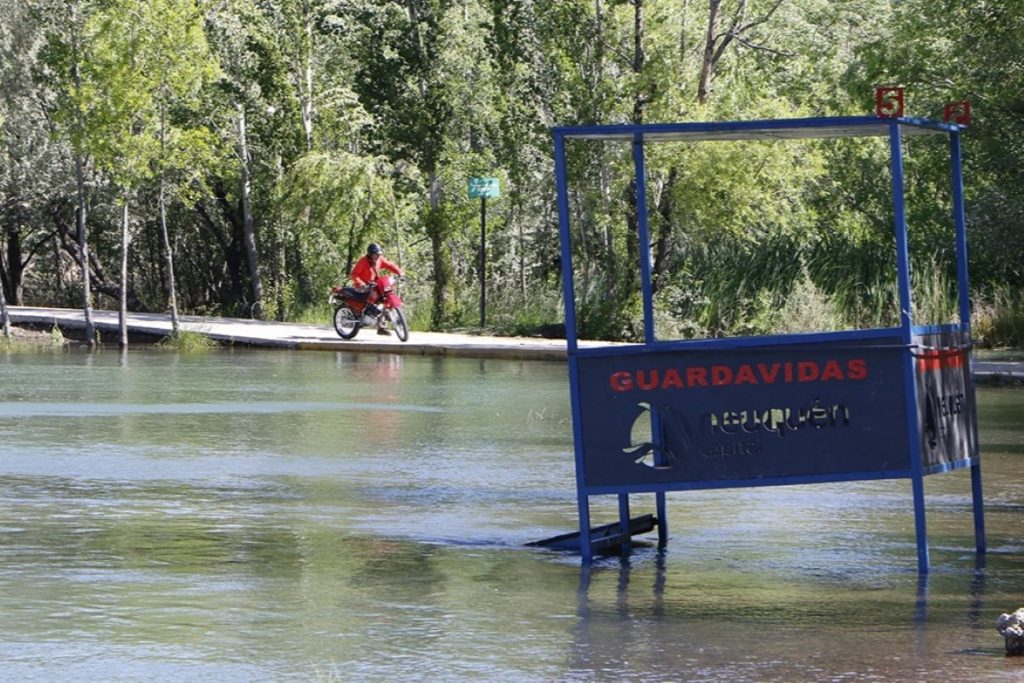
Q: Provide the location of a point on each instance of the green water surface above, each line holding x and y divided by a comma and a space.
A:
268, 515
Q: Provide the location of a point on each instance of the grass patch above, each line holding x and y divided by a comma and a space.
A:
314, 314
999, 320
15, 345
22, 340
187, 341
57, 339
1000, 355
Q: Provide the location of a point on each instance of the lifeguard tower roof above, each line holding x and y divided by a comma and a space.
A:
778, 129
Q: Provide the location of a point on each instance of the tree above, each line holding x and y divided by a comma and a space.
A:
147, 58
67, 51
252, 77
402, 83
737, 28
954, 51
345, 200
5, 324
182, 65
31, 182
119, 100
287, 77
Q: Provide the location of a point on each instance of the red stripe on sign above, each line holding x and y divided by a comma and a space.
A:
937, 359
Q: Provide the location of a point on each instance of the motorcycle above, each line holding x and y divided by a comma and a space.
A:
378, 306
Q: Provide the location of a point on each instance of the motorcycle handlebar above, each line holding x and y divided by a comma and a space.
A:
396, 278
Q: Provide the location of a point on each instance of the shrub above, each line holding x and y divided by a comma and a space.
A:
998, 319
186, 341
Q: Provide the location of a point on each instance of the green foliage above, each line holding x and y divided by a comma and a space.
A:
998, 319
334, 205
57, 337
806, 309
934, 292
12, 344
953, 51
27, 342
365, 120
317, 313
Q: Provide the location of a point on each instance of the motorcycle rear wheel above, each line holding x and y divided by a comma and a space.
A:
397, 320
346, 322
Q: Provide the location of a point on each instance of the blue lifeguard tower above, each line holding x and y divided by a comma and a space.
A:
850, 405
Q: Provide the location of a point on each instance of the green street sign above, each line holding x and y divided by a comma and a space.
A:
484, 188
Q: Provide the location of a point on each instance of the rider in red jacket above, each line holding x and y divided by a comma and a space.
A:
367, 270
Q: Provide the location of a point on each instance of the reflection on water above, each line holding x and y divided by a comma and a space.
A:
245, 515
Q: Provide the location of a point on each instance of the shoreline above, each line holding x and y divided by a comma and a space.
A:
34, 327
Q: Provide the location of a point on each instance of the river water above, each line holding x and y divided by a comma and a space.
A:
271, 515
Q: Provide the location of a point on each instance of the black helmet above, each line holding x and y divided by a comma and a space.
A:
374, 248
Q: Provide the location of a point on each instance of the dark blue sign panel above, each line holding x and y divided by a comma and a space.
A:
743, 416
945, 401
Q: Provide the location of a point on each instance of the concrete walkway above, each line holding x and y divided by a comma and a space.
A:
1003, 372
323, 337
295, 335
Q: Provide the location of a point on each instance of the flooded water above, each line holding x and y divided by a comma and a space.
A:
249, 515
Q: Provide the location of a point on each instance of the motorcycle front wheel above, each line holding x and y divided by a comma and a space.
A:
397, 320
346, 322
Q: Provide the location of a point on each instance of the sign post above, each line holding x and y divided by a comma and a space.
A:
483, 188
733, 412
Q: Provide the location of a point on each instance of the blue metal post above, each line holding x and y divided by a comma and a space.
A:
644, 248
568, 290
643, 236
624, 522
658, 434
906, 327
960, 223
963, 285
569, 297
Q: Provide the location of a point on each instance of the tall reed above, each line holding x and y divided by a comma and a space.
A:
998, 319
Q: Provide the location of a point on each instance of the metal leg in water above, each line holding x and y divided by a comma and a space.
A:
624, 522
919, 524
659, 505
586, 551
979, 509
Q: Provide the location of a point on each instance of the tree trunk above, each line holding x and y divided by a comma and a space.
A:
437, 227
58, 268
630, 279
707, 67
307, 96
3, 306
172, 297
248, 225
634, 250
172, 294
715, 45
442, 312
15, 275
640, 98
82, 235
83, 251
397, 225
663, 241
280, 261
122, 311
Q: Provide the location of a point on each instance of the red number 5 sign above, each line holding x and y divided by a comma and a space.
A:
889, 102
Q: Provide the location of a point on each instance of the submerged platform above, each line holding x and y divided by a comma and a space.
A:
603, 539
